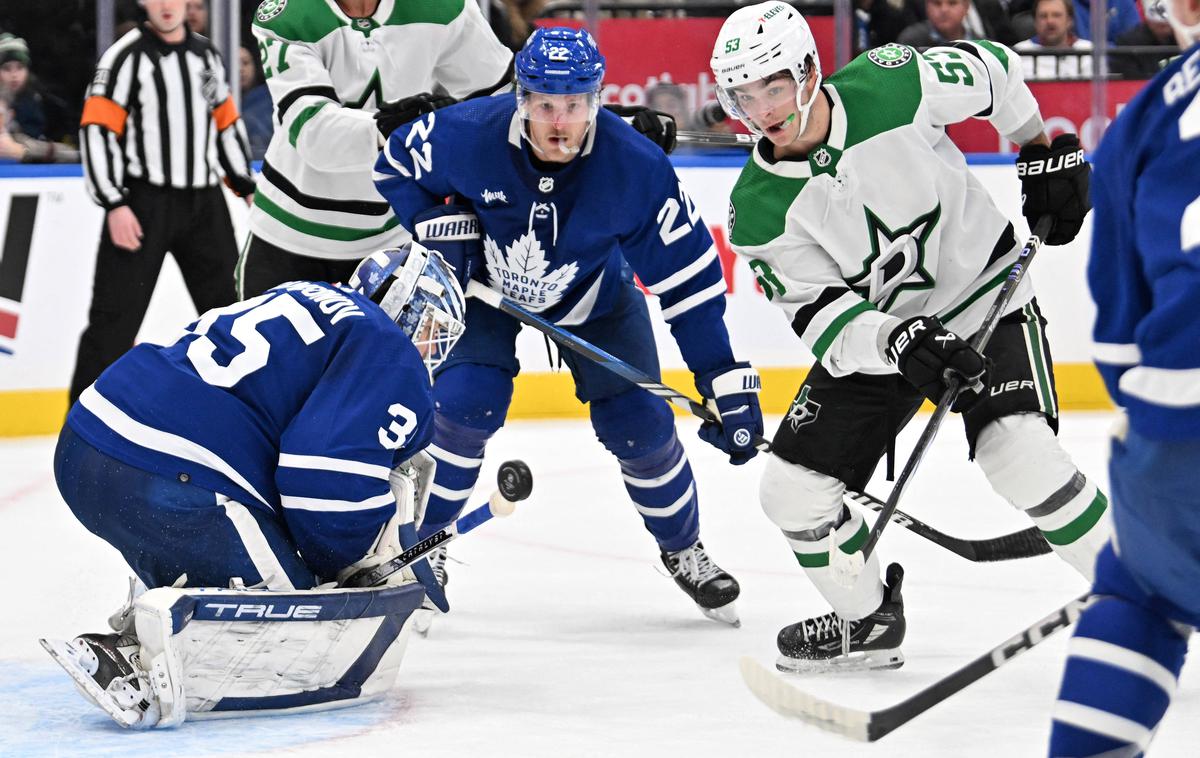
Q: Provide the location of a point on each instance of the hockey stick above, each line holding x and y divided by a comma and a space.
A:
716, 139
514, 483
786, 699
847, 566
1023, 544
1027, 543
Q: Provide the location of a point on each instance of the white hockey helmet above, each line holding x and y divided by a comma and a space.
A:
758, 41
1163, 10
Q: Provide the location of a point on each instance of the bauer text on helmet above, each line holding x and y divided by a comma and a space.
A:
417, 289
559, 73
763, 59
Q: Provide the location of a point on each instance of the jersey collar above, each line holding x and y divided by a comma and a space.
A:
798, 169
382, 11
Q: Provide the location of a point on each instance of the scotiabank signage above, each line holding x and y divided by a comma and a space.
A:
643, 52
1066, 107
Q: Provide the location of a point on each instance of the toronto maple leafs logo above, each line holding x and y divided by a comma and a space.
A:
521, 272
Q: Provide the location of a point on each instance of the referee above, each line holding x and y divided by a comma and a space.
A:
159, 132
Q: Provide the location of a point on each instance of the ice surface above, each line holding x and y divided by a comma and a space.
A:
566, 640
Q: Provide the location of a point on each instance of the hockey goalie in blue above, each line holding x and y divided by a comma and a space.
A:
1144, 272
274, 447
567, 201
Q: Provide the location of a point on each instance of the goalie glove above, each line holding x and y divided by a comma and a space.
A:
656, 126
400, 112
734, 390
453, 231
1055, 181
927, 355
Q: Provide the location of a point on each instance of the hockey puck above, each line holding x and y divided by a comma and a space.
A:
514, 480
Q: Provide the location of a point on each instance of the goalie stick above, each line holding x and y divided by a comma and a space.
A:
786, 699
1023, 544
514, 483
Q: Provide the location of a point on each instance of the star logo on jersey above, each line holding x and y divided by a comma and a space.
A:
521, 272
897, 259
803, 410
269, 9
890, 55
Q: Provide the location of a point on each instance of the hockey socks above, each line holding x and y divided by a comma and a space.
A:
663, 490
458, 450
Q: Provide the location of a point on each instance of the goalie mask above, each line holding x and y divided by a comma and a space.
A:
559, 73
417, 289
761, 59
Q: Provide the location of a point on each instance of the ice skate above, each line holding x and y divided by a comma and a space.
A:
423, 616
107, 671
713, 590
829, 643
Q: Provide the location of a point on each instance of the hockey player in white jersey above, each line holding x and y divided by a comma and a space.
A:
275, 448
342, 75
862, 222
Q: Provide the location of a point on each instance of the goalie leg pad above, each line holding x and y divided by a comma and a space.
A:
1027, 466
212, 653
807, 506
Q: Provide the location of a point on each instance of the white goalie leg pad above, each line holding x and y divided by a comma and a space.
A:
807, 506
1026, 465
213, 653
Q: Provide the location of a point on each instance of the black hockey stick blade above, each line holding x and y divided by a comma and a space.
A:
786, 699
1027, 543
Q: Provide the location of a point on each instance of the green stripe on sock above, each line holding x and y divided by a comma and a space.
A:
1080, 526
821, 559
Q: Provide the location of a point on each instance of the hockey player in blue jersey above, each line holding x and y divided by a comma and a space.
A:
570, 202
1129, 646
260, 449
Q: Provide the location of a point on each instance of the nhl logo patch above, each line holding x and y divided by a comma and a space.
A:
732, 218
546, 184
822, 158
269, 9
890, 55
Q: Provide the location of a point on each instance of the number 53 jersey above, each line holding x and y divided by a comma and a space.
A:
884, 221
297, 402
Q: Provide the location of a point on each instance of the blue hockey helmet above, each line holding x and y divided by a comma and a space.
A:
416, 288
560, 61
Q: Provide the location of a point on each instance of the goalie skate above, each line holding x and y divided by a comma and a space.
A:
707, 584
106, 670
829, 643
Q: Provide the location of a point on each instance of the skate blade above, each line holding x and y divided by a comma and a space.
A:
870, 660
64, 655
726, 614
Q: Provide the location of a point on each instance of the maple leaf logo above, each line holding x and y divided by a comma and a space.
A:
520, 272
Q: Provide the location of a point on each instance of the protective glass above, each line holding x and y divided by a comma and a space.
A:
557, 109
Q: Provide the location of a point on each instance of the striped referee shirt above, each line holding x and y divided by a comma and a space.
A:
161, 113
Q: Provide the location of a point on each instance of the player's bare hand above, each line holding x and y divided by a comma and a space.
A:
124, 228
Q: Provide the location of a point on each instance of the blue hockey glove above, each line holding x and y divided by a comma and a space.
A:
453, 231
734, 389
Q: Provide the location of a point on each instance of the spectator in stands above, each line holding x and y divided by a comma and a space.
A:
878, 22
1054, 25
945, 22
17, 146
197, 16
669, 98
17, 87
256, 103
1122, 16
1154, 31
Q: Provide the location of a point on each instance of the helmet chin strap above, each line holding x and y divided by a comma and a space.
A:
806, 108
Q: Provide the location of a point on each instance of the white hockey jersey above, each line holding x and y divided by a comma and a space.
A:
884, 221
328, 73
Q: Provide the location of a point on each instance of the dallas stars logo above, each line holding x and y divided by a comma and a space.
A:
897, 259
803, 410
890, 55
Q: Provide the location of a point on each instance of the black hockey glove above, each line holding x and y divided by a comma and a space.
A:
927, 355
391, 115
734, 390
656, 126
1055, 182
453, 231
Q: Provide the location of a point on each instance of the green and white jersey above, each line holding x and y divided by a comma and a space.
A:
884, 221
328, 73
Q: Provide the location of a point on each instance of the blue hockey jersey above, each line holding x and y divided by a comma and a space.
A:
299, 402
1144, 270
556, 241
